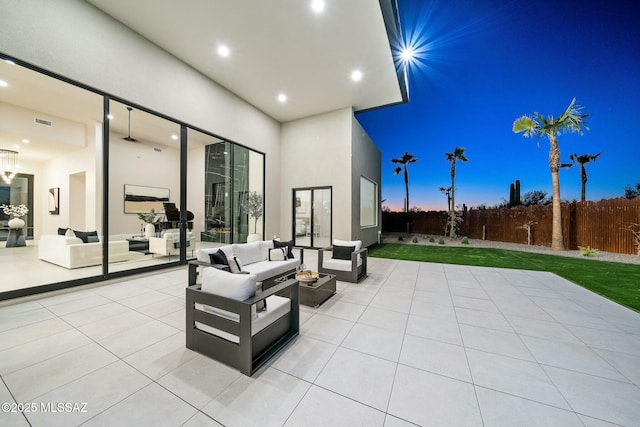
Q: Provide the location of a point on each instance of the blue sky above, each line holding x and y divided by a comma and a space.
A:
482, 64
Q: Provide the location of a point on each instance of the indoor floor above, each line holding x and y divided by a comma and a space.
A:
414, 344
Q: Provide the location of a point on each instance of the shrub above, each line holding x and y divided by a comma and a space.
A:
400, 238
465, 240
441, 241
415, 239
432, 239
588, 251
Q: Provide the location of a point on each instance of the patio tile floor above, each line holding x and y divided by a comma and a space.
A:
414, 344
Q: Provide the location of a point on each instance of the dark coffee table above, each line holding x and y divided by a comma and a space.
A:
313, 294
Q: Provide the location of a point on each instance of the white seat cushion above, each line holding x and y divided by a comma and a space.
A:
339, 264
264, 270
276, 308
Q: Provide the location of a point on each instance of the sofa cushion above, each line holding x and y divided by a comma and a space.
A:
264, 270
235, 286
93, 239
278, 307
62, 231
265, 245
288, 245
235, 265
342, 252
277, 254
248, 253
203, 254
339, 264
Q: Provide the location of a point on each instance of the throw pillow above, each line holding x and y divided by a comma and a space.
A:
84, 235
277, 254
343, 252
218, 258
260, 305
69, 233
234, 265
93, 239
62, 231
288, 245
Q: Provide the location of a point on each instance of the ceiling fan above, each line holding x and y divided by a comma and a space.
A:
128, 137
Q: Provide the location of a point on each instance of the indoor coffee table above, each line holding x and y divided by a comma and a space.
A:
314, 293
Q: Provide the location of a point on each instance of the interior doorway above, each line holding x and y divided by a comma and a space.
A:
78, 201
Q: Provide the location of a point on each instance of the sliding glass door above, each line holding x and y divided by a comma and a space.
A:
234, 193
312, 226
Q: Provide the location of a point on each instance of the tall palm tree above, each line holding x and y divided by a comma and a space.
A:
582, 160
456, 154
405, 160
537, 125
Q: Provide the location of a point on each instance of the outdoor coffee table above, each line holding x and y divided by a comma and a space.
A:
314, 293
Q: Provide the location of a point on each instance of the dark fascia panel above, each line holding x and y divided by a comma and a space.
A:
391, 18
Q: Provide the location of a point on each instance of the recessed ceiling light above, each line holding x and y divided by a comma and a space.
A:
110, 116
356, 75
16, 146
223, 51
282, 97
317, 5
174, 137
25, 141
3, 83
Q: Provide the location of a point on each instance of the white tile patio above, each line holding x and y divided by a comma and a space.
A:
414, 344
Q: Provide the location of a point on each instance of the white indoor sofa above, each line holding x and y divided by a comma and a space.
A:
71, 252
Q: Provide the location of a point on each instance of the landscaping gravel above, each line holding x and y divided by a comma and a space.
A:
600, 256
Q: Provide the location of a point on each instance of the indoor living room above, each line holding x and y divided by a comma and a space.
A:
55, 131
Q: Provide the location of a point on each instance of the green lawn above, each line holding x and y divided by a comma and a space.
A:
616, 281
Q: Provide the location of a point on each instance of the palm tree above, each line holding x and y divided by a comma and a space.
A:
404, 161
456, 154
447, 191
537, 125
582, 161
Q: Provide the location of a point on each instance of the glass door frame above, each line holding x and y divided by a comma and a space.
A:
311, 214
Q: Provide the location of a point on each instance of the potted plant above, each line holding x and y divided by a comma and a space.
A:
148, 218
253, 207
15, 211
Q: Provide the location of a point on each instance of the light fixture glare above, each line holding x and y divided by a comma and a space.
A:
356, 75
317, 5
3, 83
223, 51
282, 97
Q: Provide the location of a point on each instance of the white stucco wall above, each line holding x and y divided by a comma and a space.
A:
76, 40
316, 152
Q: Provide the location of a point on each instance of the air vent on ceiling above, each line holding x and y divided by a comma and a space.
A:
157, 149
43, 122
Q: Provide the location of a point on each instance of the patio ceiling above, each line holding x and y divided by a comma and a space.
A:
276, 47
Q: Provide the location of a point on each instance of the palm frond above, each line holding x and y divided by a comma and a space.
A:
397, 170
525, 124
